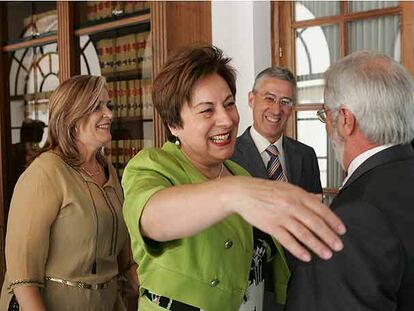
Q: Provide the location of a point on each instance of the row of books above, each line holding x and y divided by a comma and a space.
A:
130, 52
97, 10
122, 151
131, 98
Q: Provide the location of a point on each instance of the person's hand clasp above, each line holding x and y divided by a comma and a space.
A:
296, 218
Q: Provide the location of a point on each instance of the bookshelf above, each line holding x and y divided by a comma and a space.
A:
44, 43
123, 54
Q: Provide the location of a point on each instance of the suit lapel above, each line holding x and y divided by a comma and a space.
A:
254, 163
391, 154
293, 161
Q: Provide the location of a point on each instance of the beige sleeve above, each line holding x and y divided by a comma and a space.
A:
35, 204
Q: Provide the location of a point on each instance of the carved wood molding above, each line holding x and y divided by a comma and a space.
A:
30, 43
66, 40
159, 56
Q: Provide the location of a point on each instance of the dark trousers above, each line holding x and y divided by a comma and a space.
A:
269, 302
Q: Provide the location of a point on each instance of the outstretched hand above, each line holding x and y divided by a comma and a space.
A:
296, 218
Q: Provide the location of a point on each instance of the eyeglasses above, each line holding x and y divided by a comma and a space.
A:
273, 99
321, 114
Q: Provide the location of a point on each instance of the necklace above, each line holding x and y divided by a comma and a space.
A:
221, 171
92, 174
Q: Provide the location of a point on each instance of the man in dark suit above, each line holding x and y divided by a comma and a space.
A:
369, 116
271, 100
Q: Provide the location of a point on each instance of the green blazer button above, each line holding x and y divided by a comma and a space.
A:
228, 244
214, 282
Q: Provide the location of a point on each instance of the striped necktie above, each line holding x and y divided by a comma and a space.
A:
274, 167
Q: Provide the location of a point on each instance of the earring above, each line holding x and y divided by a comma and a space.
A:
177, 142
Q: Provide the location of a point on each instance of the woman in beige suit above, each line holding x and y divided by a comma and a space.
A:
65, 233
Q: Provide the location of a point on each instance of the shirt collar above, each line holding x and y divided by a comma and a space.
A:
357, 161
262, 143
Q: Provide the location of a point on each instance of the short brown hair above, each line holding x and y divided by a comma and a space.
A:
73, 99
173, 85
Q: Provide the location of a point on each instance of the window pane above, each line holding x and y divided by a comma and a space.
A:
305, 10
15, 136
311, 132
360, 6
379, 34
322, 162
33, 76
335, 174
316, 48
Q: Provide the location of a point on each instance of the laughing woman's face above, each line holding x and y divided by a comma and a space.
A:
210, 122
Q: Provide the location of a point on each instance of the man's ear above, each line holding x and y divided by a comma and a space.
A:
348, 121
251, 99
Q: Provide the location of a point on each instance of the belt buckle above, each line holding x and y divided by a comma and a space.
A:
81, 285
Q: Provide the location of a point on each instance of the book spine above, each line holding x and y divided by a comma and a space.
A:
112, 98
123, 103
91, 10
138, 98
129, 7
131, 98
147, 55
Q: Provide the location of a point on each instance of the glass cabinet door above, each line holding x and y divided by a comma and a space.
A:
124, 57
32, 78
28, 20
33, 67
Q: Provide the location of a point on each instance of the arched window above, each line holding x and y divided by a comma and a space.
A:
33, 76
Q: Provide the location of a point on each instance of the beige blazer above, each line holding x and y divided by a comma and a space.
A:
63, 225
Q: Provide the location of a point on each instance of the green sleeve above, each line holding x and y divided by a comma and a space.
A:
147, 173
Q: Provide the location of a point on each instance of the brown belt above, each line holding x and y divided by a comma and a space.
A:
83, 285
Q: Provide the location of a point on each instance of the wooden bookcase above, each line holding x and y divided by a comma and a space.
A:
55, 34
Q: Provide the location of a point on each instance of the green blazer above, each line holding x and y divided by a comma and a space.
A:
201, 270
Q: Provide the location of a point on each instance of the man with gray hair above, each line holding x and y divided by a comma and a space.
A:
369, 116
272, 99
265, 152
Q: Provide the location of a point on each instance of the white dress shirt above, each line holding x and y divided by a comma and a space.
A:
261, 145
357, 161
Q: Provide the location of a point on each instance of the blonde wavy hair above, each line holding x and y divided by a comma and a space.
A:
72, 100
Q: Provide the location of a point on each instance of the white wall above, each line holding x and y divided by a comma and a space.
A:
242, 30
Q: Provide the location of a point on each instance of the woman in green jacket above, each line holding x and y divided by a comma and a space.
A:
201, 229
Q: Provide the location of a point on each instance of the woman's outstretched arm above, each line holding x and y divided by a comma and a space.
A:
288, 213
